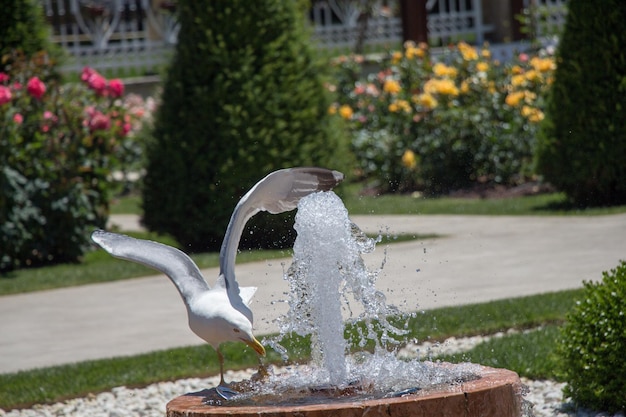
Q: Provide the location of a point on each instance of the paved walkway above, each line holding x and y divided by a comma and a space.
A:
480, 258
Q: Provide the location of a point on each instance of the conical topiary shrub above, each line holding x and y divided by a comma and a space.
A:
243, 97
582, 147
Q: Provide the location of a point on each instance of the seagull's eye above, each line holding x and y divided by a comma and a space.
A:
236, 330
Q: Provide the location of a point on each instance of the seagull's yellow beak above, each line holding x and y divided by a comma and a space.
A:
256, 345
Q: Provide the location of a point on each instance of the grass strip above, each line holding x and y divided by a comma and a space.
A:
531, 354
541, 204
492, 317
57, 383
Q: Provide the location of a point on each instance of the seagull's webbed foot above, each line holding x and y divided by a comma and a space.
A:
225, 392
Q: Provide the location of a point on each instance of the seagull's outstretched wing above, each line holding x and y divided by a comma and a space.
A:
175, 264
278, 192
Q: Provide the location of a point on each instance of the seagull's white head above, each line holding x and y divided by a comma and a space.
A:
248, 338
239, 329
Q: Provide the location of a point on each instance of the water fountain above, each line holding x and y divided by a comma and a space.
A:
331, 285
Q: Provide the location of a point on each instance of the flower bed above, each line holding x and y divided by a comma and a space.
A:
58, 145
440, 124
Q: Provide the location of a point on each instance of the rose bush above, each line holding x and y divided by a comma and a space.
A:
59, 144
437, 125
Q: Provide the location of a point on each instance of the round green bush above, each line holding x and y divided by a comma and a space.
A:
594, 343
244, 96
581, 148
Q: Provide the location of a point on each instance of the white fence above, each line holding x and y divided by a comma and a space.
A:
135, 37
548, 16
345, 23
125, 35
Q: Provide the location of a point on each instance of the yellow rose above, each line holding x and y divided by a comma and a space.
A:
413, 52
485, 53
518, 80
404, 105
514, 98
542, 64
332, 109
396, 57
442, 70
391, 86
408, 159
529, 96
482, 67
426, 100
400, 105
536, 116
447, 87
468, 52
532, 114
533, 75
516, 69
346, 112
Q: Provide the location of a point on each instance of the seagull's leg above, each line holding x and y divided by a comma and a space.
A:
220, 357
222, 389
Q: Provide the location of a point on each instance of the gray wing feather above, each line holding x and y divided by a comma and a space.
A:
179, 267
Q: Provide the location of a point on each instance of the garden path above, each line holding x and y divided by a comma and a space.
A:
479, 258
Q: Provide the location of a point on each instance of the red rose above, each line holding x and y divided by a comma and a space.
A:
5, 95
4, 77
116, 87
36, 87
18, 118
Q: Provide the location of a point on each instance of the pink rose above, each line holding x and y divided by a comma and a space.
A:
99, 122
5, 95
97, 83
94, 80
87, 71
523, 57
4, 77
18, 118
90, 111
36, 87
116, 87
48, 115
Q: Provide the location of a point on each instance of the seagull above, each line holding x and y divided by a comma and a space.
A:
220, 313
